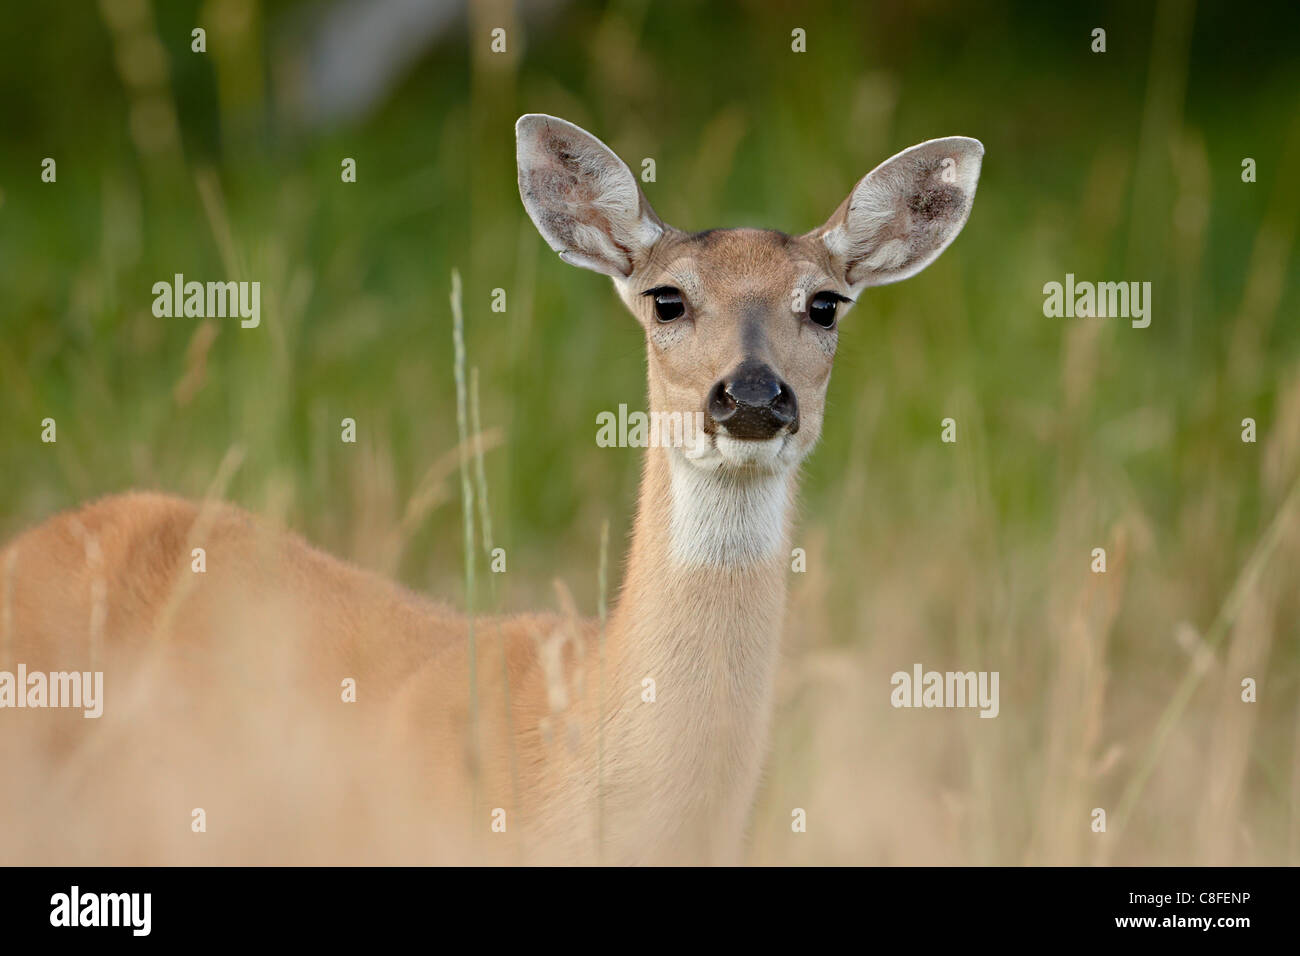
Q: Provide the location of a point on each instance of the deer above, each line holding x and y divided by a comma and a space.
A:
555, 735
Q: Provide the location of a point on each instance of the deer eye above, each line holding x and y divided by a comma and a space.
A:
669, 304
822, 308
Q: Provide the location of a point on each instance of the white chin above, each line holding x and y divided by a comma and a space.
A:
720, 451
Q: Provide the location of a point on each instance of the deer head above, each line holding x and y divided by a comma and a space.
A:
742, 324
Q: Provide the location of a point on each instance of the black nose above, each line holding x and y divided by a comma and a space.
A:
752, 402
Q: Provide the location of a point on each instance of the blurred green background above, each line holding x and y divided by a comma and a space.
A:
1119, 691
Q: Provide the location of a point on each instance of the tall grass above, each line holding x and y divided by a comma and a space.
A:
485, 522
467, 517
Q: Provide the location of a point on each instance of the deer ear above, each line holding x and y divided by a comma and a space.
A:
905, 212
583, 199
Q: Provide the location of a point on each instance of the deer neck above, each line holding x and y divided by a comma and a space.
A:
699, 615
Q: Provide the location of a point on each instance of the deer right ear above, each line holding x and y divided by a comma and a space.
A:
905, 212
583, 199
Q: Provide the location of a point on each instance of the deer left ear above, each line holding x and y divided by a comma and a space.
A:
905, 212
583, 199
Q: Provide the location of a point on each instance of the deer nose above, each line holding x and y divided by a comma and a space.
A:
753, 403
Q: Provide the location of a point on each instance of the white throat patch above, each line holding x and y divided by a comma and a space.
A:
721, 520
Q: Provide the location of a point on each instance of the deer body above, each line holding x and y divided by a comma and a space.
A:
644, 746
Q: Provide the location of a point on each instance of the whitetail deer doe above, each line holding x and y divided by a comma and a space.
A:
741, 325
